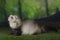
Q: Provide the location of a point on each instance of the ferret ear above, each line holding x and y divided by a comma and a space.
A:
10, 15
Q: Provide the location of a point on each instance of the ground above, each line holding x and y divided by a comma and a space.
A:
5, 35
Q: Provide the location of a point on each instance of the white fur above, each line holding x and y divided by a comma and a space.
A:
15, 22
30, 28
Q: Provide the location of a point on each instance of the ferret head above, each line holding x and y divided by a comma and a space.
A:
11, 18
14, 21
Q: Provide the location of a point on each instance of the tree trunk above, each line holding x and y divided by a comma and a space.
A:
19, 9
47, 10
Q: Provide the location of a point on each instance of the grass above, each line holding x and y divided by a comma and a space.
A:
4, 35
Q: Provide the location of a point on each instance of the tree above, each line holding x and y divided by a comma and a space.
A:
47, 10
3, 8
20, 8
3, 13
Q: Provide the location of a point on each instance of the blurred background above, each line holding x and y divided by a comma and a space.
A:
45, 10
28, 9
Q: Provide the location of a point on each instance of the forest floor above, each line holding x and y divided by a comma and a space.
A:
5, 35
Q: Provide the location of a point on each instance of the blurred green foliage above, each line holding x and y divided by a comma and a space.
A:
31, 9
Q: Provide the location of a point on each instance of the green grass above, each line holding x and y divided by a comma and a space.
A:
5, 35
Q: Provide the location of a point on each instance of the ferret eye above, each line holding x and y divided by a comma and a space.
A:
11, 17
